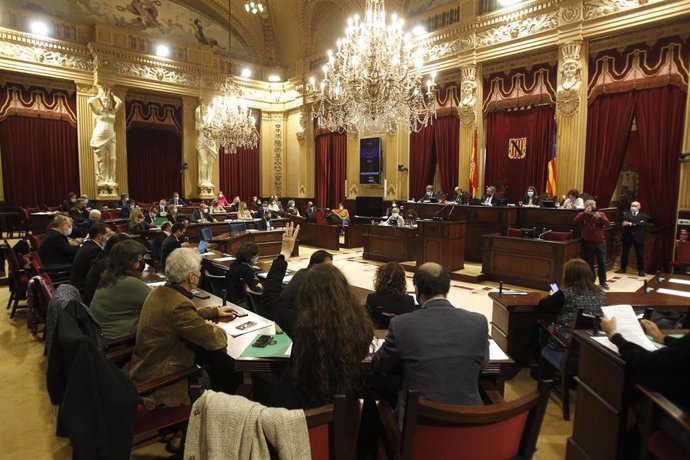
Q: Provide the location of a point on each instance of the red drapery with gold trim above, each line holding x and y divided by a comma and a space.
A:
331, 169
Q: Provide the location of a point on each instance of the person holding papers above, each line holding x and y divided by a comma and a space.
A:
578, 291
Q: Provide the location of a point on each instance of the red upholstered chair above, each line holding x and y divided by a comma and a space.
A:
514, 232
42, 290
320, 217
122, 228
435, 430
37, 241
557, 236
17, 277
682, 255
59, 274
442, 431
655, 442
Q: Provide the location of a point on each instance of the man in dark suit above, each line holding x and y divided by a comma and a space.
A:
80, 217
634, 235
439, 349
122, 202
176, 200
311, 209
157, 243
202, 214
265, 222
172, 242
88, 252
56, 249
490, 198
429, 195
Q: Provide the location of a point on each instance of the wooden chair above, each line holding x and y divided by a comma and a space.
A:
215, 282
656, 443
567, 368
443, 431
59, 274
682, 259
36, 241
18, 279
333, 429
380, 317
514, 232
558, 236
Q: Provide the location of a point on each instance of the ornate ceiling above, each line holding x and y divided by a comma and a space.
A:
286, 32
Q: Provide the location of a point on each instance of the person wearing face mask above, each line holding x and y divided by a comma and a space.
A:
162, 207
121, 293
343, 213
573, 201
173, 334
292, 209
531, 197
395, 220
172, 242
633, 235
89, 251
69, 202
202, 214
127, 210
243, 272
593, 223
264, 223
56, 249
222, 199
176, 200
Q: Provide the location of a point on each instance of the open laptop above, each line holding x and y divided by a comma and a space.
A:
203, 245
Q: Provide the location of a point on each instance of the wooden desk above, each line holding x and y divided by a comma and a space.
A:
269, 242
514, 317
526, 262
322, 236
442, 242
389, 244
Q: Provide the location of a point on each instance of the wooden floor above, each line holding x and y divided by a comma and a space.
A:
27, 418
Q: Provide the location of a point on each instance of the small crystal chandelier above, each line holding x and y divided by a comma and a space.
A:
374, 80
227, 120
254, 7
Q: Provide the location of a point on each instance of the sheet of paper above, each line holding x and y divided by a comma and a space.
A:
223, 259
209, 253
603, 340
496, 353
375, 344
679, 281
673, 292
288, 352
628, 325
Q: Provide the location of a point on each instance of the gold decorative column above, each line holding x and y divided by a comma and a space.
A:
189, 155
272, 152
684, 190
470, 119
121, 145
85, 125
571, 117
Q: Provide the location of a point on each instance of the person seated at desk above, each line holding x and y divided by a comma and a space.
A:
412, 217
242, 272
343, 214
331, 333
122, 202
94, 217
578, 291
222, 199
665, 370
390, 297
89, 252
172, 242
68, 202
173, 334
429, 195
395, 219
262, 210
216, 208
292, 209
173, 215
117, 302
531, 197
235, 205
255, 203
440, 349
573, 200
176, 200
201, 214
244, 213
490, 199
289, 293
264, 223
311, 210
127, 210
137, 223
150, 218
157, 243
57, 249
93, 277
460, 196
162, 207
80, 217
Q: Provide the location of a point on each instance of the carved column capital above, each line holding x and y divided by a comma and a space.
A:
570, 78
468, 95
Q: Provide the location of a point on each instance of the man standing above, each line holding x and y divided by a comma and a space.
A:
592, 226
439, 349
633, 235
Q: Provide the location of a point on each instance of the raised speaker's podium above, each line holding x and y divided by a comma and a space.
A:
443, 242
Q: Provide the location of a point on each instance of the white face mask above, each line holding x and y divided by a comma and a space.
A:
220, 195
634, 209
254, 260
68, 231
530, 194
73, 200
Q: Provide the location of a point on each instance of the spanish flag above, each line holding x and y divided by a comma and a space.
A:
474, 167
551, 165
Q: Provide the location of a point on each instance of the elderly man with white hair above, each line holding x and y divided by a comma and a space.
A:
593, 223
173, 334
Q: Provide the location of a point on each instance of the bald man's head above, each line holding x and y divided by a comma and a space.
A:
431, 280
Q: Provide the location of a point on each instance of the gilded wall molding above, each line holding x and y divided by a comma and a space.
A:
518, 29
277, 124
24, 47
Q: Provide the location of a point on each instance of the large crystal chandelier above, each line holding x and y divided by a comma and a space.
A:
228, 121
373, 82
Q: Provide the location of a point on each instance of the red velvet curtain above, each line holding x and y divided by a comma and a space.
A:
239, 173
422, 160
536, 124
40, 160
154, 160
331, 169
447, 145
609, 118
660, 113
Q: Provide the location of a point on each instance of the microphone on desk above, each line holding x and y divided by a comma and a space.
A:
224, 296
658, 272
596, 324
645, 286
544, 233
436, 216
500, 288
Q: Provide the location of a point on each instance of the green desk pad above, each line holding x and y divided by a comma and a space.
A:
276, 350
